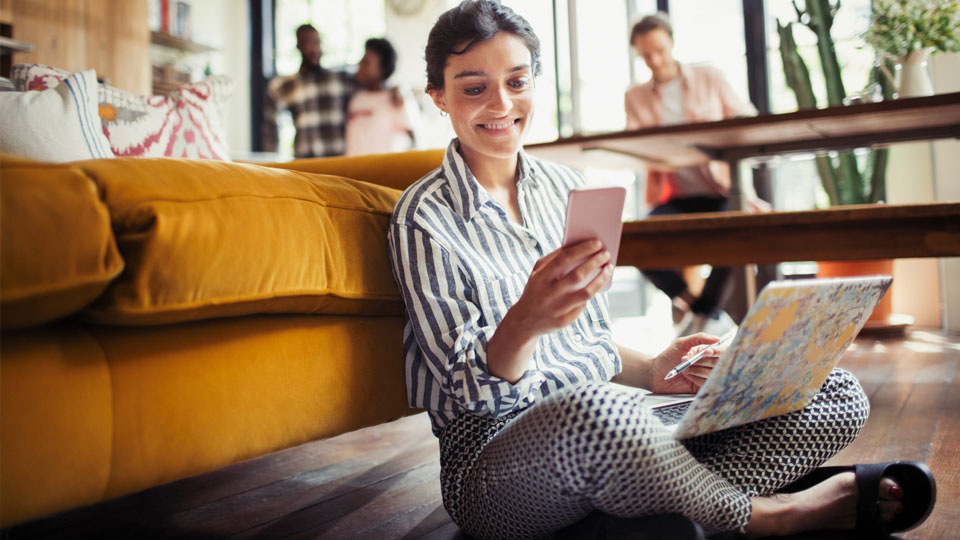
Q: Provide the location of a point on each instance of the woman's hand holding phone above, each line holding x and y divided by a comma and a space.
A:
552, 299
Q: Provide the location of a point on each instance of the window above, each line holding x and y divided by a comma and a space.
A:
539, 14
711, 33
796, 183
855, 62
603, 58
344, 27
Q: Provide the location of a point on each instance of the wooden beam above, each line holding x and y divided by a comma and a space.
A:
843, 233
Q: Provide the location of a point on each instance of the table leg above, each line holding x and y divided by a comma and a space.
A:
743, 283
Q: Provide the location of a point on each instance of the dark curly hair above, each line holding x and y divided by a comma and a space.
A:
472, 22
387, 54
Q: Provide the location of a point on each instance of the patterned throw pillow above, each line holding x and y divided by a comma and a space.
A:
57, 124
186, 123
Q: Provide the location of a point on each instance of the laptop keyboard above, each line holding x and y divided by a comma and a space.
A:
671, 414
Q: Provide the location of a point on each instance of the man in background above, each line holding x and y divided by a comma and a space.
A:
317, 99
678, 94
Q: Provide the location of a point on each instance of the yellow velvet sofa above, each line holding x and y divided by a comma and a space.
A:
166, 317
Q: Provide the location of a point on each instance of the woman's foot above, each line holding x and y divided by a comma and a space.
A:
831, 504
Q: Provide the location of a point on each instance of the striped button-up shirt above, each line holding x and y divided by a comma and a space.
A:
461, 264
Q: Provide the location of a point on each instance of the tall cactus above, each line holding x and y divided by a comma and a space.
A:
841, 178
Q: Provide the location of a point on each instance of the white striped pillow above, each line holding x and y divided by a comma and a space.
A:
58, 124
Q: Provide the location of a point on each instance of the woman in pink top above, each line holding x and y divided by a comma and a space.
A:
377, 118
680, 94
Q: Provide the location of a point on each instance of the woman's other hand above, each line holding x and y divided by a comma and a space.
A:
691, 379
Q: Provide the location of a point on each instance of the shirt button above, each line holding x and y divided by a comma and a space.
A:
578, 338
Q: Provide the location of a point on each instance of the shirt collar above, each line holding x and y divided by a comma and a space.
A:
468, 194
684, 78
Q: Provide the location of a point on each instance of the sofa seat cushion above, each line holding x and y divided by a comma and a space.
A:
204, 239
57, 250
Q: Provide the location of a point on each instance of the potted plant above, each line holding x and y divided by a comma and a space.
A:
907, 32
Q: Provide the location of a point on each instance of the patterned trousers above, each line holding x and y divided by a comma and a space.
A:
596, 447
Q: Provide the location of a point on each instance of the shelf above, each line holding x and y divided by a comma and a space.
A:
12, 45
174, 42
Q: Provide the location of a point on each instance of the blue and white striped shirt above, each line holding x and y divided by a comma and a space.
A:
461, 264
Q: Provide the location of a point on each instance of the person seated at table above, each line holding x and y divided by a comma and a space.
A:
676, 94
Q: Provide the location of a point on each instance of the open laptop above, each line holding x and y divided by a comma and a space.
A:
786, 346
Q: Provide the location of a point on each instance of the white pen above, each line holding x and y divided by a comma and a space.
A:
682, 366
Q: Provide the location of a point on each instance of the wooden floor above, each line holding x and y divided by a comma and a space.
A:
382, 482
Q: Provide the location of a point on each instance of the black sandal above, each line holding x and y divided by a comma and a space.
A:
914, 478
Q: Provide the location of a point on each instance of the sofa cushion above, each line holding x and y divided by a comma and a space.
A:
186, 123
205, 239
59, 123
57, 251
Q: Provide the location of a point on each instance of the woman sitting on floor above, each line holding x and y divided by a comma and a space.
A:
513, 363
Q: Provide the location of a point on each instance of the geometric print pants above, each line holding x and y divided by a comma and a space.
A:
596, 447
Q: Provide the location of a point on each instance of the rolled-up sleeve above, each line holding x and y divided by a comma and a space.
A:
450, 329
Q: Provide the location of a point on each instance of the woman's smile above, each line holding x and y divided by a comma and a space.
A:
500, 127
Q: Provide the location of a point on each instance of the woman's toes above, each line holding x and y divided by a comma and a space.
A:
889, 509
890, 489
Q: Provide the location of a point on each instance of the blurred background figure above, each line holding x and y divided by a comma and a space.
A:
316, 98
379, 119
678, 94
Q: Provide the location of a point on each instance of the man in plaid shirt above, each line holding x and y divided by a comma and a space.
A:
317, 98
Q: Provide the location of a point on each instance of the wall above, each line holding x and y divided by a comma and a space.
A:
408, 34
225, 24
946, 186
916, 289
110, 36
924, 172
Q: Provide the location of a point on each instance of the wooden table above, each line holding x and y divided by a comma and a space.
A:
842, 233
834, 128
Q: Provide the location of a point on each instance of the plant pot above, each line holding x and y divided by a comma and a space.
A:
829, 269
912, 76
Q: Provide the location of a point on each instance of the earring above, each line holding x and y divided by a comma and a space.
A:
443, 114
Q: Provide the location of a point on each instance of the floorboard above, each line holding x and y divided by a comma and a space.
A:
383, 482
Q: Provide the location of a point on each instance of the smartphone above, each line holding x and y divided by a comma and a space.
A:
595, 213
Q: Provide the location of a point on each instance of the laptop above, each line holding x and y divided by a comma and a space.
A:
784, 350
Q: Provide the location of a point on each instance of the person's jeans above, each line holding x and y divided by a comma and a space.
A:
671, 281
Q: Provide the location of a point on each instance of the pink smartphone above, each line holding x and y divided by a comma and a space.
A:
595, 213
